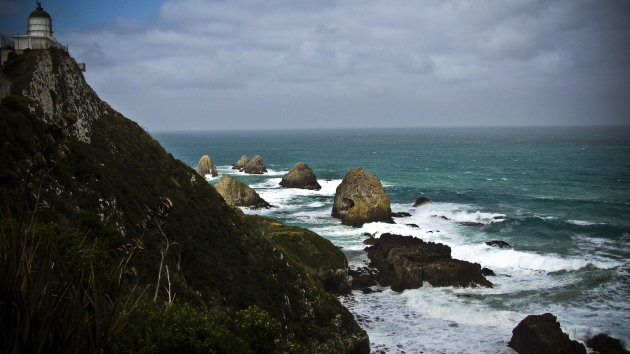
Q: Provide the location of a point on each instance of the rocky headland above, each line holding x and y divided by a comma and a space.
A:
207, 167
239, 194
360, 199
300, 176
109, 196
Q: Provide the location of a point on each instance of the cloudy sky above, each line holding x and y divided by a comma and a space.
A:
275, 64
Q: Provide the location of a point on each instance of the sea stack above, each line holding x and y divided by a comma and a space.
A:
361, 198
238, 193
206, 166
300, 176
255, 166
244, 160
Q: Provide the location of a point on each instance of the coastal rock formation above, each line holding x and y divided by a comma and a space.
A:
255, 166
421, 201
244, 160
542, 334
322, 260
207, 167
300, 176
405, 262
361, 198
602, 343
238, 193
498, 243
400, 214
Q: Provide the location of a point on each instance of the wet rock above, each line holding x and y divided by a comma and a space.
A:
207, 167
238, 193
244, 160
421, 201
415, 226
498, 243
255, 166
471, 223
400, 214
487, 272
405, 262
361, 198
300, 176
542, 334
604, 344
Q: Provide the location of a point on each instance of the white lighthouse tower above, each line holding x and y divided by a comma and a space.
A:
39, 22
38, 32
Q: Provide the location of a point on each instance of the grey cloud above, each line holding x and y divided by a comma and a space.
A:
349, 62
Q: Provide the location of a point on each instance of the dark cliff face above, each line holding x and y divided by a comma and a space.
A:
98, 172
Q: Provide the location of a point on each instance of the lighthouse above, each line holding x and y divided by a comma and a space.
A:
39, 22
39, 34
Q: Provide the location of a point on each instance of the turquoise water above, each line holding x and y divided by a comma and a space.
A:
561, 196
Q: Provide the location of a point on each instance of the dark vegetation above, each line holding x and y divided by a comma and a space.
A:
114, 245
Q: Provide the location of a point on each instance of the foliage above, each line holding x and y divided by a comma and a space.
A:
52, 301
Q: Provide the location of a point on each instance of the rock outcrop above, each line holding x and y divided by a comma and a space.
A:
405, 262
238, 193
255, 166
542, 334
498, 243
300, 176
604, 344
244, 160
361, 198
421, 201
207, 167
321, 258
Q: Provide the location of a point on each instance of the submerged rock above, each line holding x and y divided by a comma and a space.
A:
207, 167
421, 201
405, 262
400, 214
498, 243
604, 344
300, 176
244, 160
361, 198
542, 334
238, 193
255, 166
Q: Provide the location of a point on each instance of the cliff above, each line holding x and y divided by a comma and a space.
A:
71, 160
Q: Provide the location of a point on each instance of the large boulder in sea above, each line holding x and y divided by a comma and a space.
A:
320, 258
238, 193
361, 198
300, 176
255, 166
244, 160
405, 262
542, 334
207, 167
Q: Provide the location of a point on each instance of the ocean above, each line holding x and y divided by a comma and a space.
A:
559, 195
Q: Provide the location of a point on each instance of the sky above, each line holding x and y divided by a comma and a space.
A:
293, 64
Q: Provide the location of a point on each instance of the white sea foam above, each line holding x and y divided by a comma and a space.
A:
581, 222
492, 257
